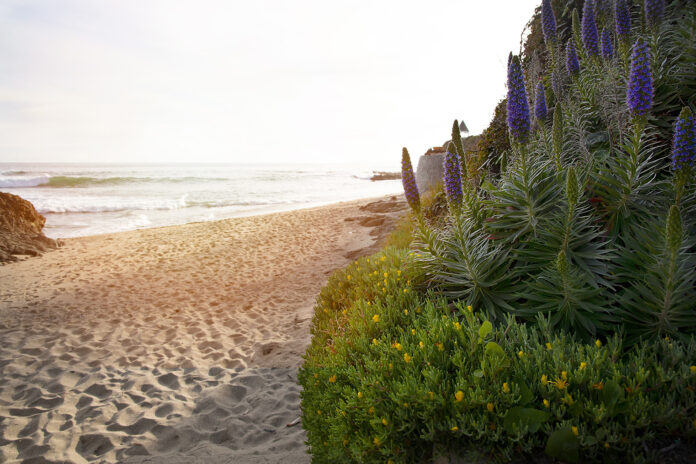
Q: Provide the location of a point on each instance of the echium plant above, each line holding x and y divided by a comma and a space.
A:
684, 142
540, 110
452, 180
572, 63
557, 134
409, 182
457, 140
639, 96
548, 22
607, 46
623, 20
590, 37
654, 11
518, 118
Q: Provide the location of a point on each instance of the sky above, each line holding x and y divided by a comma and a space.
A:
264, 81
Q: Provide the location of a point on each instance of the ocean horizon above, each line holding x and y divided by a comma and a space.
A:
82, 199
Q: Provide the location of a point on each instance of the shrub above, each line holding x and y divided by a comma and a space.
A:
394, 376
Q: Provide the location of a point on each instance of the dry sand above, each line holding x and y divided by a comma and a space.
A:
179, 344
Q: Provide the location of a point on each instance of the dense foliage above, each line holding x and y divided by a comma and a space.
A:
552, 305
394, 376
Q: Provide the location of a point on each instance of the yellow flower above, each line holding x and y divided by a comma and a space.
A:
598, 385
583, 365
405, 312
693, 369
375, 318
489, 406
421, 344
382, 259
413, 331
560, 383
374, 341
405, 290
360, 395
345, 442
457, 326
391, 366
598, 343
377, 441
431, 395
548, 346
371, 410
384, 421
384, 289
544, 380
470, 308
564, 374
407, 358
575, 430
546, 403
348, 277
454, 429
398, 272
459, 396
506, 387
316, 376
606, 444
520, 354
318, 412
397, 345
406, 405
440, 346
418, 310
386, 275
332, 379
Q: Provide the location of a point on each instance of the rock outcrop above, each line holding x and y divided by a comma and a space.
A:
21, 229
430, 170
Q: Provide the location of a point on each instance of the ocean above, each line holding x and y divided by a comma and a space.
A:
90, 199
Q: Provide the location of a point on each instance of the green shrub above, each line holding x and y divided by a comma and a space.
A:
392, 376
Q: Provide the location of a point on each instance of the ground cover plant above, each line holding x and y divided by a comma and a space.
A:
551, 307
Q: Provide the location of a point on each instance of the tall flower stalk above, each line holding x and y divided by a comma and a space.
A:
548, 23
639, 96
518, 117
452, 180
607, 45
654, 11
409, 182
557, 134
590, 37
572, 63
683, 150
457, 141
623, 20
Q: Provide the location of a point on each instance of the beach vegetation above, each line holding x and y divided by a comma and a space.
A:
551, 306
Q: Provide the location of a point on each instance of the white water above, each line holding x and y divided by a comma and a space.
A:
88, 199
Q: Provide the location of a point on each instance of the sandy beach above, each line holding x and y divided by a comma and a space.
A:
178, 344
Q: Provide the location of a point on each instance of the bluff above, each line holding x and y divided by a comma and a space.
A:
21, 229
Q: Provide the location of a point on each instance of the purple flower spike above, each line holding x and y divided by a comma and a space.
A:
589, 29
654, 11
540, 110
572, 63
640, 89
684, 142
607, 45
518, 117
548, 21
452, 179
409, 182
623, 19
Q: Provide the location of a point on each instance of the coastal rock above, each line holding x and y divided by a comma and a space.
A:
21, 229
430, 171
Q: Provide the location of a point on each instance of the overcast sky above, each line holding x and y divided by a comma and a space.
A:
248, 81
